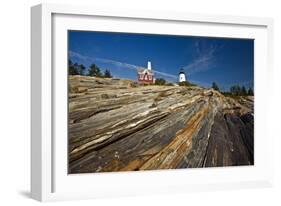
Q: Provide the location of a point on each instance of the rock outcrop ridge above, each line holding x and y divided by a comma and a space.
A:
117, 125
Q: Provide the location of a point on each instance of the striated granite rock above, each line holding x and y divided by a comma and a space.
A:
117, 125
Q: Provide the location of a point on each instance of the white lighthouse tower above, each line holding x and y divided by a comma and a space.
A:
182, 76
149, 65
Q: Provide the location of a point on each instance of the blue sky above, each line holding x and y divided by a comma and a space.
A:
205, 60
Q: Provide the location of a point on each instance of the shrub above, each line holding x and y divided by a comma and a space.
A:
160, 81
187, 84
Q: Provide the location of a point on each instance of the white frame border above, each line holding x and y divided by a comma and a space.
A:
42, 86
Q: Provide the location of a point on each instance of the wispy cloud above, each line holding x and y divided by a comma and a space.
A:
115, 63
165, 74
205, 58
103, 60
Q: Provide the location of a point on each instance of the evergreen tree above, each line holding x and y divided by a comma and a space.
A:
250, 92
107, 74
81, 69
215, 86
236, 90
243, 91
94, 71
70, 63
232, 90
72, 68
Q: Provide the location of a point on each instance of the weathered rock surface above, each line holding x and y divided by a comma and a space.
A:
116, 125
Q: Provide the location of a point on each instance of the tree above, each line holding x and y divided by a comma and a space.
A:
250, 92
76, 69
243, 91
160, 81
81, 69
107, 74
94, 71
72, 68
215, 86
235, 90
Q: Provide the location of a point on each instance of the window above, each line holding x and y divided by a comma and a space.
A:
145, 76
